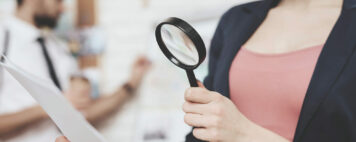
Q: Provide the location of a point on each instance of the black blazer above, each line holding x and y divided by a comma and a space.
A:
329, 110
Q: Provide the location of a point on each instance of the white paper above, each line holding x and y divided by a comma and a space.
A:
72, 124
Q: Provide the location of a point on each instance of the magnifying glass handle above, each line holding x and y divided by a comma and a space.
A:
192, 80
193, 83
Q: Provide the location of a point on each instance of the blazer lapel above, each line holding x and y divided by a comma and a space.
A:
334, 56
250, 21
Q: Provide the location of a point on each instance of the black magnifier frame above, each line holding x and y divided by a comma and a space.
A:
193, 35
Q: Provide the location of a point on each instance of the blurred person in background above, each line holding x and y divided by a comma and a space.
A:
42, 54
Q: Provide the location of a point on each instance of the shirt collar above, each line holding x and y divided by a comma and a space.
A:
20, 29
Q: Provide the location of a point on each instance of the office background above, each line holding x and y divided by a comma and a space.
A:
125, 29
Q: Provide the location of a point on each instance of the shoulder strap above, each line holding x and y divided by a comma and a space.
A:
6, 45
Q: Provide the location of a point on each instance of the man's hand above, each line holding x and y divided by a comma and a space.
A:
139, 70
62, 139
79, 93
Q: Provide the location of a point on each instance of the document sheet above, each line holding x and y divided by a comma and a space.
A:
71, 122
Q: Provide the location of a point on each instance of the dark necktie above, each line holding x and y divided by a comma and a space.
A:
51, 70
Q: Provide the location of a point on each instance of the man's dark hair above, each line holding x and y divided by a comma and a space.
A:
19, 2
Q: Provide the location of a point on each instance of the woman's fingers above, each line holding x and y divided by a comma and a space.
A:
205, 134
195, 108
200, 101
62, 139
198, 95
195, 120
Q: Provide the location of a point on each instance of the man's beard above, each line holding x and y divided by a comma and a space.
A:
43, 21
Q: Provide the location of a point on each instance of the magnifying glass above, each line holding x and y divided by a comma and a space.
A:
182, 45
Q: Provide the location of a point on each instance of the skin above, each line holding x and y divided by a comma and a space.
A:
308, 23
62, 139
78, 94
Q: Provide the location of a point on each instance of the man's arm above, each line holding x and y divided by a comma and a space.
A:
11, 123
105, 106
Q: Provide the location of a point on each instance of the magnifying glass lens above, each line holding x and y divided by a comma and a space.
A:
179, 45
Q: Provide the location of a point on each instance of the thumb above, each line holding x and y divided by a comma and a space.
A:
62, 139
201, 85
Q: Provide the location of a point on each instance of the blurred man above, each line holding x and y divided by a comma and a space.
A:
21, 119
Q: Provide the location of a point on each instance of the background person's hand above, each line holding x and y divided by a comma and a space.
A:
139, 70
62, 139
79, 93
215, 117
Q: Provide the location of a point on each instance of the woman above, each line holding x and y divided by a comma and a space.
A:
280, 70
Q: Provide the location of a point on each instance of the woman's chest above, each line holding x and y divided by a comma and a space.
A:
283, 32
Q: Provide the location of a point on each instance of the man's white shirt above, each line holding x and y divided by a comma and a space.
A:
25, 52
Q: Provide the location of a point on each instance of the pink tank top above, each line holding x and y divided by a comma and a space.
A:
269, 89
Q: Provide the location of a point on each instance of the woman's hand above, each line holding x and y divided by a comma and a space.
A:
214, 117
62, 139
